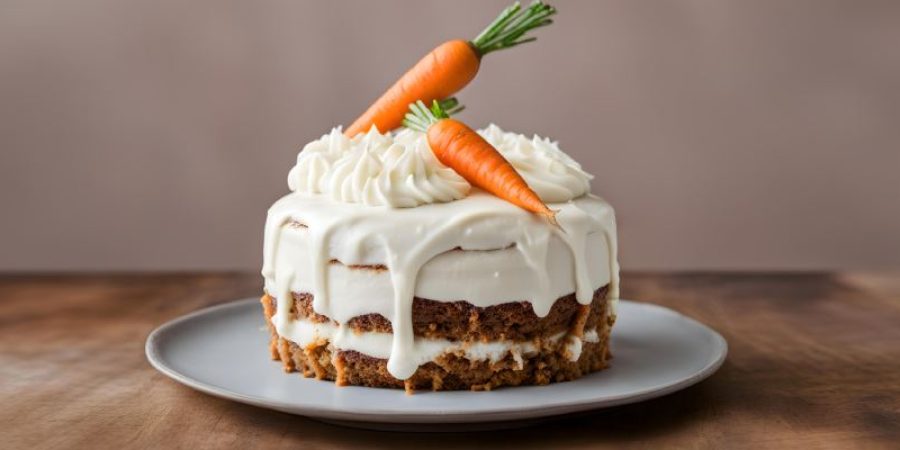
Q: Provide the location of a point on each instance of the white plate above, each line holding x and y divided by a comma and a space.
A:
223, 351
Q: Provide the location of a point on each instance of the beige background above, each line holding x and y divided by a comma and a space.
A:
153, 134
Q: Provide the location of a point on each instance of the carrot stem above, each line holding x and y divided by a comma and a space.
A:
507, 29
420, 117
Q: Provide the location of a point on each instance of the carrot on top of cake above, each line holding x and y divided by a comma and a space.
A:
451, 66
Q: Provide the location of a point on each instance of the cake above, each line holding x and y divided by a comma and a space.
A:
385, 268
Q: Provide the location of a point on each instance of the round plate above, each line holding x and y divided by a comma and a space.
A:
223, 351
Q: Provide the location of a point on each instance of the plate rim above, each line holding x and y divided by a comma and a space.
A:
498, 413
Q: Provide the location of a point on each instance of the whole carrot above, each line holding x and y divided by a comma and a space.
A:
462, 149
450, 67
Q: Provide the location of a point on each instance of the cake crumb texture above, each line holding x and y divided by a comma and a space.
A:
453, 371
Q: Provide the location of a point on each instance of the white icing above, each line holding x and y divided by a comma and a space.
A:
551, 173
591, 336
416, 244
399, 169
483, 278
573, 347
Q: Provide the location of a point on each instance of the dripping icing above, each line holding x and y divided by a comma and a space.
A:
381, 235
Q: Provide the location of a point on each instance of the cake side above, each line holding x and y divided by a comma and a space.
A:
539, 355
383, 269
462, 321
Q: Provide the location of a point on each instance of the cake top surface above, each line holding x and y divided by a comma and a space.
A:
398, 169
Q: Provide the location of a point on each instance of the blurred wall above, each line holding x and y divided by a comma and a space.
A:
153, 134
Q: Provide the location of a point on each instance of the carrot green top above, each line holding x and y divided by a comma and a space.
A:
509, 28
420, 117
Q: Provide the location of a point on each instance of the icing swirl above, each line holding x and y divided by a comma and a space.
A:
551, 173
398, 169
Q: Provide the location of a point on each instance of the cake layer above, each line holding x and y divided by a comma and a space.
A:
450, 372
476, 366
460, 320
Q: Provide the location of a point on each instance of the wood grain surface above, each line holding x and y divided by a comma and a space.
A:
814, 362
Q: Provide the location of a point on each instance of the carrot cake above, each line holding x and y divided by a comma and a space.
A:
385, 268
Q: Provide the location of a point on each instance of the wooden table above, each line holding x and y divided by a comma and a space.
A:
814, 362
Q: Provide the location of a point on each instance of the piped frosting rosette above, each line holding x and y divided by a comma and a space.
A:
399, 170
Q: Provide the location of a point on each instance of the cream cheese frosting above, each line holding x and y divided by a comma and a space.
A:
551, 173
384, 199
541, 261
398, 169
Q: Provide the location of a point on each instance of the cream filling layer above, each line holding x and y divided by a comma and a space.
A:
306, 333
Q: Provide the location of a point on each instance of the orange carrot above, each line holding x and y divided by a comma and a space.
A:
440, 74
450, 67
462, 149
